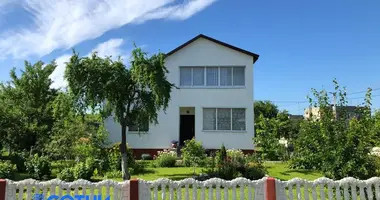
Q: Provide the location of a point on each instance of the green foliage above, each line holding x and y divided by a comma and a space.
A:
114, 157
26, 114
165, 158
336, 144
67, 174
267, 137
146, 156
221, 155
113, 174
82, 171
132, 95
254, 170
7, 170
38, 167
232, 163
265, 108
193, 153
19, 160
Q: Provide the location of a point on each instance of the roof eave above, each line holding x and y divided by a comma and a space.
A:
255, 56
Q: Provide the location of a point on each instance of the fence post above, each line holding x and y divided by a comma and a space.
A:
133, 189
3, 185
270, 189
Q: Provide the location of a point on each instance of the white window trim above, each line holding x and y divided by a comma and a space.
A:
205, 78
216, 121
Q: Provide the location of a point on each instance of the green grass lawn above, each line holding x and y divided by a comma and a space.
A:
276, 170
283, 172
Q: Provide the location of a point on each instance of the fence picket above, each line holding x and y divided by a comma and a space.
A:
347, 188
225, 192
322, 191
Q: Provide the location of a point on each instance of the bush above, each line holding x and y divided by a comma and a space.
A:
19, 160
7, 170
66, 174
165, 158
38, 167
146, 156
254, 171
230, 164
114, 157
137, 168
113, 174
236, 155
82, 171
193, 153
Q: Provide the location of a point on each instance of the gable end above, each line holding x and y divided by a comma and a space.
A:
255, 56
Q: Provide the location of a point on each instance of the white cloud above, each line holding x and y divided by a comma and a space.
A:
57, 75
181, 12
66, 23
111, 47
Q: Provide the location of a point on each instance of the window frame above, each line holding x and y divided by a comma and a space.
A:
231, 118
219, 77
138, 130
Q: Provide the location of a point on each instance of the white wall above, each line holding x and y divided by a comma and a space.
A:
201, 52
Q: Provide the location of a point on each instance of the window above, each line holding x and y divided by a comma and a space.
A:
238, 76
144, 127
212, 76
198, 76
226, 76
209, 119
224, 119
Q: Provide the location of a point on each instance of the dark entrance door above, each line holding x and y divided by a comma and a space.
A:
186, 130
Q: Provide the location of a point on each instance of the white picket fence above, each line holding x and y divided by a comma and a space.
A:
190, 189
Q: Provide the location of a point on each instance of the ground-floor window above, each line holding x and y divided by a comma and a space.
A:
143, 127
224, 119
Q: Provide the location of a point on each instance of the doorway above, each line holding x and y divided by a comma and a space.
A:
187, 125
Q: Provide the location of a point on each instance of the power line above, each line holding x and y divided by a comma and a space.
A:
375, 89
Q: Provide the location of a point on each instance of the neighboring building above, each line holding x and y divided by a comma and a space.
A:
352, 111
213, 103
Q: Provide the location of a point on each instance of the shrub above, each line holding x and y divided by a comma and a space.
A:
114, 157
38, 167
90, 164
137, 168
113, 174
230, 164
226, 168
146, 156
236, 155
7, 170
254, 170
165, 158
82, 171
19, 160
193, 153
66, 174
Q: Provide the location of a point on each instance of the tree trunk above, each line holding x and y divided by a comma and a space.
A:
124, 154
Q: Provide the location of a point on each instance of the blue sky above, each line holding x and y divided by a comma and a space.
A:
302, 44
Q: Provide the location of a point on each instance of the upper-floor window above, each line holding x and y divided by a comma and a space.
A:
212, 76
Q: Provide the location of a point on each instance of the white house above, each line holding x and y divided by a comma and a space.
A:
214, 102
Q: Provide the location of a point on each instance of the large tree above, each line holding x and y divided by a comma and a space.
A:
132, 95
265, 108
26, 114
337, 145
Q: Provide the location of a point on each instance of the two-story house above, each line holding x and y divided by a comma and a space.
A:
213, 102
